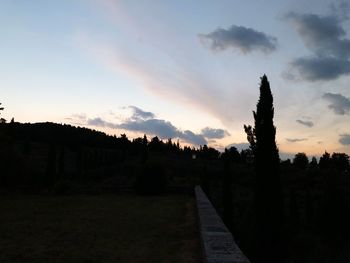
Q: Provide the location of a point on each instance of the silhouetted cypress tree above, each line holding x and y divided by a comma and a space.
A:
144, 149
268, 198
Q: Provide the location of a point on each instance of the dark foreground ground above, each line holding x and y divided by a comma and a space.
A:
104, 228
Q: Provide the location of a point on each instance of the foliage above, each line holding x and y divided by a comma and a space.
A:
301, 161
268, 199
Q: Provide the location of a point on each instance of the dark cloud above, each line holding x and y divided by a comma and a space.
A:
211, 133
344, 139
341, 9
140, 114
326, 38
161, 128
193, 138
239, 146
305, 123
292, 140
322, 34
338, 103
142, 121
99, 122
321, 68
239, 37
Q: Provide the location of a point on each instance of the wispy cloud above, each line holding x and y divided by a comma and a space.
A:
293, 140
323, 35
167, 78
339, 104
305, 123
238, 37
239, 146
140, 114
326, 38
77, 119
212, 133
99, 122
144, 122
344, 139
161, 128
321, 68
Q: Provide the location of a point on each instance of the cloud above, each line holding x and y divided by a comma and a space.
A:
142, 121
211, 133
76, 119
161, 128
99, 122
322, 34
239, 146
321, 68
305, 123
239, 37
326, 38
166, 77
344, 139
193, 138
338, 103
341, 9
293, 140
140, 114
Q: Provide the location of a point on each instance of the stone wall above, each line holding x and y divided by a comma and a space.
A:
218, 244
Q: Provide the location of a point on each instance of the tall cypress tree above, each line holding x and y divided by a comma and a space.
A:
268, 198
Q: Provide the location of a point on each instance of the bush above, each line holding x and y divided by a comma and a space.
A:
151, 180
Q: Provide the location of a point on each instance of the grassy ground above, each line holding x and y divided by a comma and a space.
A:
106, 228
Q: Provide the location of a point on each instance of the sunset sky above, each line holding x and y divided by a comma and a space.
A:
182, 69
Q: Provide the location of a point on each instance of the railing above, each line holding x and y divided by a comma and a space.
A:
218, 244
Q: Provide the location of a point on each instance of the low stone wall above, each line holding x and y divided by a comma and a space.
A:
218, 244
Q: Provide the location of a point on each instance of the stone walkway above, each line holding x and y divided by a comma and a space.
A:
218, 244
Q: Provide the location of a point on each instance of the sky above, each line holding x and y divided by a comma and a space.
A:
187, 70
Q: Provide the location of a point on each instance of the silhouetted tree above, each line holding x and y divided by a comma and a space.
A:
300, 161
340, 161
247, 156
155, 144
2, 120
232, 155
313, 164
228, 157
144, 140
286, 163
144, 149
268, 198
325, 161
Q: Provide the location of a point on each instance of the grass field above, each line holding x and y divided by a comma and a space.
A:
105, 228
